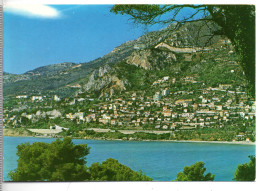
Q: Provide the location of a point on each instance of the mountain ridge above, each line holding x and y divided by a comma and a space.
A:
167, 45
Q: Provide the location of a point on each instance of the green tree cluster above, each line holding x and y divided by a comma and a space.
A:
112, 170
62, 160
195, 172
246, 172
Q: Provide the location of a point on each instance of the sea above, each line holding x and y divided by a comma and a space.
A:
159, 160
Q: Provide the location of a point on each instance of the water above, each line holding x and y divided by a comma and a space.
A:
159, 160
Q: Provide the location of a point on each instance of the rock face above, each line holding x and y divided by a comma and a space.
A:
54, 113
141, 59
97, 79
151, 58
103, 79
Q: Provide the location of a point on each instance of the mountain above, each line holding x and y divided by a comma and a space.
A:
182, 80
189, 49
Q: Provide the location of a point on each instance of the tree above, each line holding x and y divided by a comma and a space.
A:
112, 170
236, 22
246, 172
194, 172
60, 160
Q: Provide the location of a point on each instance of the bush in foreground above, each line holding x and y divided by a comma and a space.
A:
112, 170
246, 172
194, 172
62, 160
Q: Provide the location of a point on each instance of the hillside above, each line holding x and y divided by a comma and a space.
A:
61, 78
170, 84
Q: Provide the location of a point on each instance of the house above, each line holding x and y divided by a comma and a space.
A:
195, 106
56, 98
173, 126
157, 127
88, 119
80, 115
70, 116
181, 101
216, 99
165, 127
39, 98
104, 121
204, 113
80, 99
167, 113
29, 116
165, 78
137, 124
157, 96
204, 100
189, 79
219, 107
251, 115
174, 115
165, 92
72, 102
113, 122
106, 116
225, 86
58, 127
155, 83
21, 96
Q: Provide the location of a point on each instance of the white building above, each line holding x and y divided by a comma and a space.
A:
37, 98
56, 98
165, 92
21, 96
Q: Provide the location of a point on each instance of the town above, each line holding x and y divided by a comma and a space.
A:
173, 105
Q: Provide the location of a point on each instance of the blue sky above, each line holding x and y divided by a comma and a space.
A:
62, 33
39, 35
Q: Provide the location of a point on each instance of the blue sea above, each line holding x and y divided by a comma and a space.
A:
159, 160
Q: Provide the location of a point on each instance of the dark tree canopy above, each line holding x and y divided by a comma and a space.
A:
60, 160
112, 170
246, 172
236, 22
194, 172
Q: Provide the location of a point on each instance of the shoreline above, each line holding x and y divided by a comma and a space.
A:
145, 140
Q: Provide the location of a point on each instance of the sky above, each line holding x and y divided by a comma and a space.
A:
39, 35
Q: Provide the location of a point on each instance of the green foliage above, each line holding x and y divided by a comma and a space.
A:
60, 160
135, 75
112, 170
194, 172
246, 171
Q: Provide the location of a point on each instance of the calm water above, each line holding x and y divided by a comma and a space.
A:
159, 160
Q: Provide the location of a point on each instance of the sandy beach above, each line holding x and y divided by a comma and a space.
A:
15, 134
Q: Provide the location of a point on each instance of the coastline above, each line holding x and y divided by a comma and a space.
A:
146, 140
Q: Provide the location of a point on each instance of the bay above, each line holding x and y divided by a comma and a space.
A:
157, 159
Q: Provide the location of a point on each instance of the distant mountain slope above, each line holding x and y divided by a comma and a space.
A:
184, 50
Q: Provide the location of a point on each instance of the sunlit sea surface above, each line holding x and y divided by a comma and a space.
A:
159, 160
